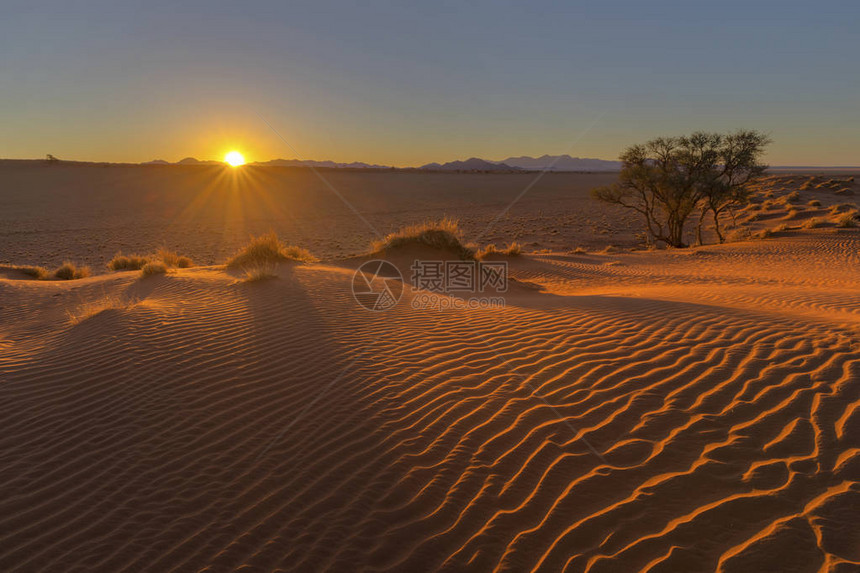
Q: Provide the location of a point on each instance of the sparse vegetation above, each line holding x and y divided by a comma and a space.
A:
69, 271
173, 260
814, 223
848, 220
153, 268
257, 274
170, 259
38, 273
792, 197
268, 250
814, 203
93, 308
122, 262
512, 250
444, 234
669, 178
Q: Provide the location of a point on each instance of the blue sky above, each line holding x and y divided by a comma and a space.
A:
409, 83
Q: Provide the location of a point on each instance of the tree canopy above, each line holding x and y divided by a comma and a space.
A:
668, 179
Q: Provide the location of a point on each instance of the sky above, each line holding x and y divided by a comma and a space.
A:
408, 83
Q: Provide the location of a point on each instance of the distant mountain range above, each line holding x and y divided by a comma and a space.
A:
561, 163
521, 163
472, 164
312, 163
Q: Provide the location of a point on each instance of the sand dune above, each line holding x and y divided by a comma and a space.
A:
656, 411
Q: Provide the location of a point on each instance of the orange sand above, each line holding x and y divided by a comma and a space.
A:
657, 411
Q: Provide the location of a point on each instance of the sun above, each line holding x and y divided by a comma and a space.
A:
234, 159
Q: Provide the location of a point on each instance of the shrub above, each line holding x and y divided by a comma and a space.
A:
444, 234
848, 220
122, 262
514, 249
153, 268
841, 207
171, 259
257, 274
69, 271
38, 273
792, 197
814, 223
814, 203
268, 250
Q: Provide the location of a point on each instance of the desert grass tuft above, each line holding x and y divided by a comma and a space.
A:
38, 273
172, 259
848, 220
122, 262
442, 234
95, 307
268, 250
153, 268
814, 223
258, 274
70, 271
514, 249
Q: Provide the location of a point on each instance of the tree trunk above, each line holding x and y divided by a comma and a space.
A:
717, 227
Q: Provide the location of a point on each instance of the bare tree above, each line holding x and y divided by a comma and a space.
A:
738, 165
667, 179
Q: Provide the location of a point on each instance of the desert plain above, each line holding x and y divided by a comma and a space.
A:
627, 409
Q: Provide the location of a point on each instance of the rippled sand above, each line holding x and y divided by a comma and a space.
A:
662, 411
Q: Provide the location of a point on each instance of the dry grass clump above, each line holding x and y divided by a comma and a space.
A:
514, 249
257, 274
814, 223
792, 214
153, 268
814, 203
808, 184
169, 258
444, 234
848, 220
792, 197
122, 262
268, 250
70, 271
842, 208
95, 307
780, 228
173, 260
38, 273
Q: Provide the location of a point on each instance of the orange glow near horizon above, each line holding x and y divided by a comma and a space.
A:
234, 159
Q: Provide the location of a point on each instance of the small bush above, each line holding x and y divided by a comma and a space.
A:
173, 260
792, 197
780, 228
257, 274
514, 249
814, 223
444, 234
814, 203
153, 268
848, 220
841, 208
268, 250
38, 273
122, 262
69, 271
